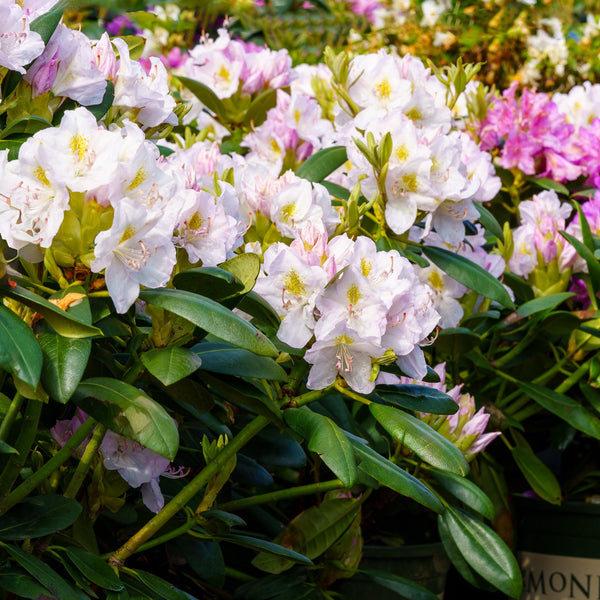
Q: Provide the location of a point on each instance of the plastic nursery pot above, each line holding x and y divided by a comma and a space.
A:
425, 564
559, 549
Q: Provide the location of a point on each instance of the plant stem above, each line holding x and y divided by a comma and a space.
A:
351, 394
61, 457
516, 350
188, 492
84, 463
11, 415
302, 490
23, 444
307, 398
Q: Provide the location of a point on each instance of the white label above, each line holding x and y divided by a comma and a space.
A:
551, 577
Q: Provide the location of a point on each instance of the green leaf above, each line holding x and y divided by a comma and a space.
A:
590, 260
100, 109
466, 491
257, 111
564, 407
488, 220
29, 124
245, 268
469, 274
212, 282
94, 568
326, 439
63, 322
6, 449
135, 44
171, 364
12, 146
538, 475
484, 551
322, 163
48, 22
549, 184
394, 477
206, 96
402, 586
49, 578
260, 309
20, 352
417, 397
19, 583
312, 532
221, 357
129, 412
265, 546
456, 341
212, 317
38, 516
65, 360
424, 441
544, 303
164, 589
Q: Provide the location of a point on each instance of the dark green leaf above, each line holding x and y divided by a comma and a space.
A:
550, 184
171, 364
127, 411
394, 477
257, 111
48, 22
538, 475
322, 163
12, 146
164, 589
63, 322
326, 439
539, 304
20, 352
466, 491
417, 397
402, 586
260, 309
212, 317
38, 516
488, 220
590, 260
29, 125
266, 546
469, 274
94, 568
6, 449
424, 441
221, 357
49, 578
65, 360
564, 407
212, 282
206, 96
19, 583
484, 551
456, 341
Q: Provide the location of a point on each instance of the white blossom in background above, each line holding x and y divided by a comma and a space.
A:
18, 44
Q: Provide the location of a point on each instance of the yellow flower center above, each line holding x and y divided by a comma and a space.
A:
294, 284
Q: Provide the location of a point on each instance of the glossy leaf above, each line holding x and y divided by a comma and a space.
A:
20, 352
312, 532
260, 309
245, 268
38, 516
135, 44
62, 321
94, 568
550, 184
484, 551
212, 317
21, 584
417, 397
48, 577
326, 439
590, 260
322, 163
127, 411
257, 111
48, 22
396, 478
221, 357
171, 364
564, 407
466, 491
65, 360
488, 220
164, 589
6, 449
212, 282
424, 441
28, 125
538, 475
544, 303
265, 546
469, 274
402, 586
206, 96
